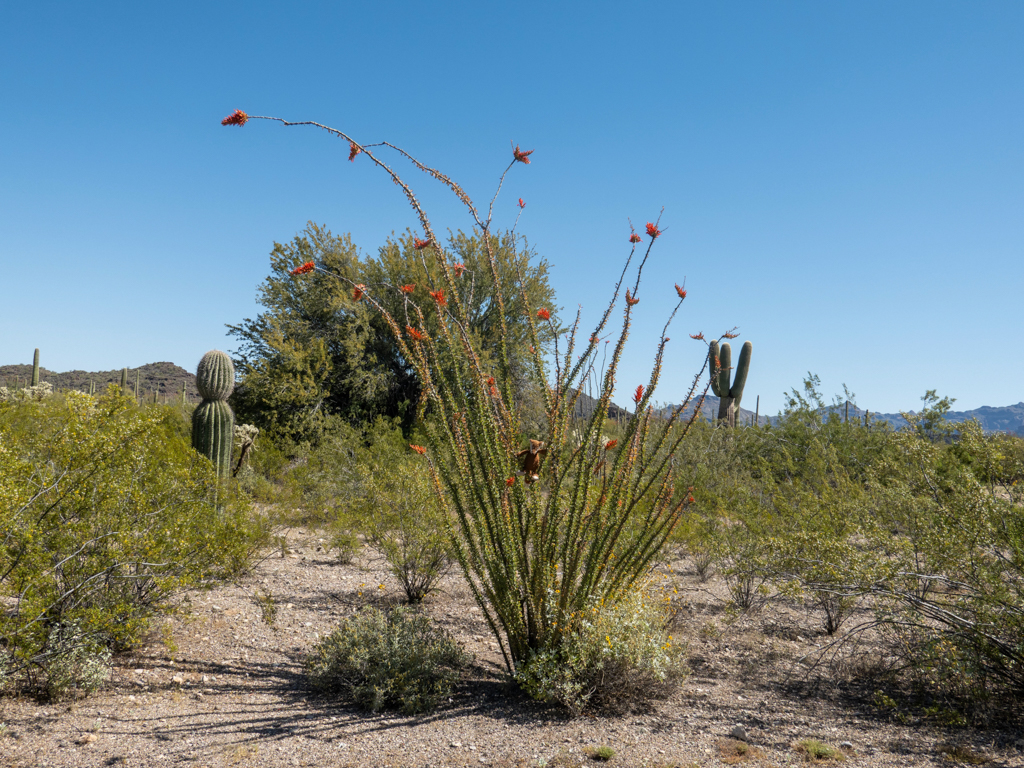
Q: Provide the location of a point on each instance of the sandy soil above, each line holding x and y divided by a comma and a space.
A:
218, 686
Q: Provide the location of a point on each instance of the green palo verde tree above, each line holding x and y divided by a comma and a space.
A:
534, 555
314, 352
721, 369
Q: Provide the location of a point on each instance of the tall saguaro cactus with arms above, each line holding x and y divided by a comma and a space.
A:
213, 423
720, 360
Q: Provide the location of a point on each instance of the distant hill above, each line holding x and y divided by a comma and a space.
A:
165, 380
1008, 418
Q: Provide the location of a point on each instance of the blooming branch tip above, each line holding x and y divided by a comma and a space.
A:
543, 314
681, 291
653, 231
418, 448
353, 150
419, 245
238, 117
523, 156
634, 238
303, 269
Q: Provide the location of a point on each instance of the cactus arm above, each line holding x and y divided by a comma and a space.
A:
725, 357
713, 354
35, 368
740, 379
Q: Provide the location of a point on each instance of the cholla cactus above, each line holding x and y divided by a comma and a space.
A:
36, 392
212, 421
245, 438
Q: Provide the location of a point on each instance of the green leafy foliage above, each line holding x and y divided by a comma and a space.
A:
393, 660
613, 657
106, 513
317, 352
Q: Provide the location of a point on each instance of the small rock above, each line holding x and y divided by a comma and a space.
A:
140, 671
846, 745
455, 744
86, 738
178, 679
738, 732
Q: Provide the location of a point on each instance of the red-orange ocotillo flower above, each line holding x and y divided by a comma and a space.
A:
522, 155
238, 117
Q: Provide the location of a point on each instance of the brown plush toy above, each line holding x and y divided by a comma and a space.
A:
531, 460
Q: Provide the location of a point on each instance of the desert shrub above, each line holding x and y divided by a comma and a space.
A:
399, 513
612, 657
393, 660
106, 513
73, 661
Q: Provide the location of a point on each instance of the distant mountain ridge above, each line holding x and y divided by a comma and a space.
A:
1007, 418
163, 379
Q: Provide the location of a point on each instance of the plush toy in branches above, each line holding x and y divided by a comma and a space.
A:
532, 458
721, 368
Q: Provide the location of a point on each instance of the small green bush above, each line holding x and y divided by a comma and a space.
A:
614, 658
74, 662
106, 513
394, 660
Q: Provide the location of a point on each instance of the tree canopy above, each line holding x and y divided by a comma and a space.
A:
317, 352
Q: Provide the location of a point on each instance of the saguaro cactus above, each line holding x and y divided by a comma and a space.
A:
213, 423
35, 368
124, 381
729, 396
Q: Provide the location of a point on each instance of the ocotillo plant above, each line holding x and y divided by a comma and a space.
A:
721, 369
534, 555
35, 368
213, 423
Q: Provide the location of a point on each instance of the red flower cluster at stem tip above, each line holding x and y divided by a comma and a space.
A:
630, 300
511, 481
689, 498
610, 444
681, 291
307, 267
418, 448
521, 203
459, 268
439, 297
730, 335
697, 336
408, 288
634, 238
490, 381
652, 230
523, 156
357, 292
353, 150
639, 394
238, 117
418, 244
414, 333
543, 314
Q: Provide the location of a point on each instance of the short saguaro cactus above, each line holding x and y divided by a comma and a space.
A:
213, 423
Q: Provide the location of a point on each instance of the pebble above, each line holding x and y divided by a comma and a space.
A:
846, 745
738, 732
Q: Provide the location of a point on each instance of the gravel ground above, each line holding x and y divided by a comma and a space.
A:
218, 686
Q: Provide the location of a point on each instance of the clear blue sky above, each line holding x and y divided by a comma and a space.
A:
843, 181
